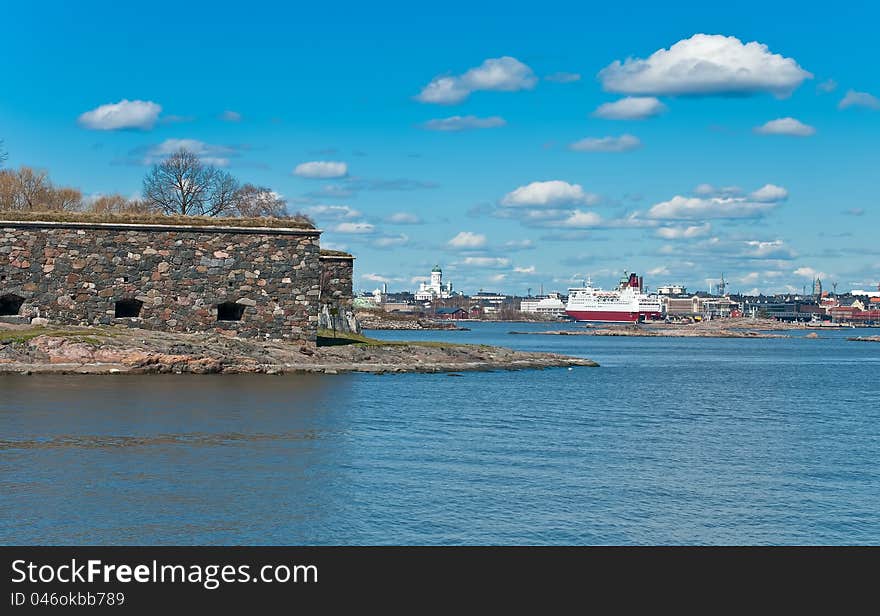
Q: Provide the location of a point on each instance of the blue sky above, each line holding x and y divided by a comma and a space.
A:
745, 142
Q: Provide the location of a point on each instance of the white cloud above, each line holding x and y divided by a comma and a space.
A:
579, 220
707, 190
524, 270
519, 244
678, 233
404, 218
498, 277
786, 126
124, 114
490, 262
750, 278
689, 208
230, 116
563, 77
808, 272
769, 193
706, 64
775, 249
829, 85
375, 278
624, 143
631, 108
467, 240
209, 154
354, 228
460, 123
859, 99
321, 169
659, 271
333, 212
757, 204
547, 194
503, 74
390, 241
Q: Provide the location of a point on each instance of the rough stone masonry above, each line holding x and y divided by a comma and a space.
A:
247, 282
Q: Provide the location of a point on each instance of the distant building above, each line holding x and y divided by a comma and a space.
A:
451, 313
435, 289
672, 289
551, 304
699, 305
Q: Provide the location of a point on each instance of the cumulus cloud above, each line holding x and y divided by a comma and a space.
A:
230, 116
563, 77
333, 212
706, 64
775, 249
209, 154
375, 278
859, 99
403, 218
684, 233
460, 123
519, 245
578, 220
769, 193
321, 169
524, 270
624, 143
548, 194
630, 108
708, 190
467, 240
503, 74
808, 272
122, 115
659, 271
490, 262
354, 228
758, 203
391, 241
786, 126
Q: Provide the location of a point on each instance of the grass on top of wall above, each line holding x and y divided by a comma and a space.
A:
295, 222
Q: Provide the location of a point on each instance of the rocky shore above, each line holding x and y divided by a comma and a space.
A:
371, 319
718, 328
118, 350
865, 339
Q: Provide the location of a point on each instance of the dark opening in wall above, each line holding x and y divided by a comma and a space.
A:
128, 308
10, 304
230, 311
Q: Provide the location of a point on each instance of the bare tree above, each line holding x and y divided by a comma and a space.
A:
3, 154
182, 184
66, 199
29, 189
117, 204
257, 201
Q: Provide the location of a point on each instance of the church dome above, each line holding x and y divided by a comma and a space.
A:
436, 269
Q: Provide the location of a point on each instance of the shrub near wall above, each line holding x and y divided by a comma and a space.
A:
184, 277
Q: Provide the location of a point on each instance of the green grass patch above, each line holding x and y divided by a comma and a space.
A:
21, 336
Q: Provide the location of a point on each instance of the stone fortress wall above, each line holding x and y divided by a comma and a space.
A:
243, 281
337, 293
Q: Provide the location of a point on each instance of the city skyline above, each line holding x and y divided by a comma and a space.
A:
539, 149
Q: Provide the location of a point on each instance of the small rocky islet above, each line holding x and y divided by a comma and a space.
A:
117, 350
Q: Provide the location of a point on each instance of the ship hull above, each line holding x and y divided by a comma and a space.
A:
603, 316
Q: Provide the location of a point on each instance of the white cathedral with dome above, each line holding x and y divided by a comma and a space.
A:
429, 291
